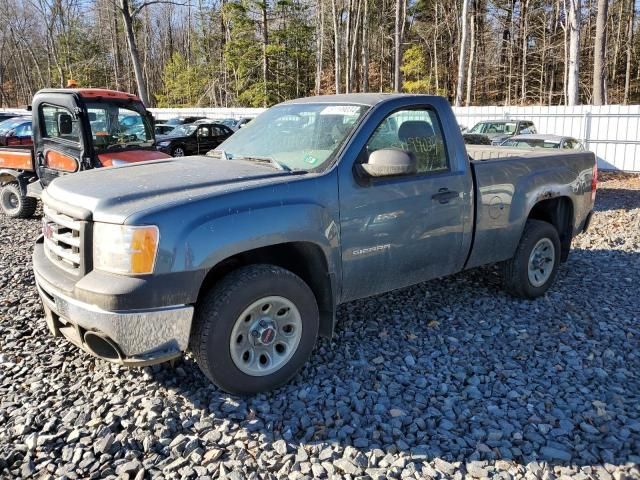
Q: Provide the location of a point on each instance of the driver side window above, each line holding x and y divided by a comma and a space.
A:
414, 131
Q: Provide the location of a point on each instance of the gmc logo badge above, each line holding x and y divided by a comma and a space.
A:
47, 231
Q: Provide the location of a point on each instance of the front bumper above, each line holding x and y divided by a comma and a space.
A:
139, 337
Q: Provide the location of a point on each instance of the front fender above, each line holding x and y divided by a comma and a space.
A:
223, 237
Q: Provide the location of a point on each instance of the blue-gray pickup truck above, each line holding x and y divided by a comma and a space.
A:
241, 256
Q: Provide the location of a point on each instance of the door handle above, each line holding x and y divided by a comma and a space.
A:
444, 195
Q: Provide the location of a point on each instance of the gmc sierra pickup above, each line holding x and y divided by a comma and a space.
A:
242, 256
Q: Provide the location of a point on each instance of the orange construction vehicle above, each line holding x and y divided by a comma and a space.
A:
74, 129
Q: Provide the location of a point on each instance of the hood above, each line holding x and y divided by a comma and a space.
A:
113, 194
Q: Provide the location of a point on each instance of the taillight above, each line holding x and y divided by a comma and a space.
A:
594, 182
13, 141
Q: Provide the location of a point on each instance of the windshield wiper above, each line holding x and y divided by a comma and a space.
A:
269, 160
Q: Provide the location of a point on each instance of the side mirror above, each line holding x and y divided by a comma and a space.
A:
388, 162
65, 125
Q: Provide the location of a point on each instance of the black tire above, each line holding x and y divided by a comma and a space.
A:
14, 204
178, 151
219, 308
516, 270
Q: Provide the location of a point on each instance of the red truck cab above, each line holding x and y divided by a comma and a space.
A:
74, 129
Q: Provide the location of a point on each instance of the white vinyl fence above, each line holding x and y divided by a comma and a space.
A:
611, 131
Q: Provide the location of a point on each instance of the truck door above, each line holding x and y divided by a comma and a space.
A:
58, 137
398, 231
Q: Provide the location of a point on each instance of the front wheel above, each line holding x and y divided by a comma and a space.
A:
255, 329
533, 268
178, 152
14, 204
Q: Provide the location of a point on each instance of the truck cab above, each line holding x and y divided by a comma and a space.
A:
74, 130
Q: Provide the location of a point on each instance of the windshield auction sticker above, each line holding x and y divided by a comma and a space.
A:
340, 110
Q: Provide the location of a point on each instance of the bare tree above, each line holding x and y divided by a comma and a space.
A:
128, 16
599, 53
463, 52
573, 76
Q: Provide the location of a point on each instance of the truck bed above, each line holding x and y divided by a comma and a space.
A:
509, 181
16, 158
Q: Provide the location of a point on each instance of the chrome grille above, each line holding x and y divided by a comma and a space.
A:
62, 239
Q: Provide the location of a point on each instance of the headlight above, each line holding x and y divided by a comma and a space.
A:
125, 249
163, 144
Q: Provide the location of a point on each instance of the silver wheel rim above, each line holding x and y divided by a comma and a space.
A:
265, 336
10, 201
541, 262
178, 152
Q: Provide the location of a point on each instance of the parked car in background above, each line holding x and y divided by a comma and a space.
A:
163, 128
16, 131
193, 139
499, 130
543, 141
175, 121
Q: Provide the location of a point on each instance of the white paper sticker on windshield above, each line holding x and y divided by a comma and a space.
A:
340, 110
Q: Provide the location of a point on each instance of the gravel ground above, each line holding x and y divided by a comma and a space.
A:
447, 379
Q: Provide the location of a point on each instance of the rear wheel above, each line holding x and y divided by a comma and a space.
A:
14, 204
254, 329
178, 152
533, 268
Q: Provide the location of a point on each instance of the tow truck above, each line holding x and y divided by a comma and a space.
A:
74, 129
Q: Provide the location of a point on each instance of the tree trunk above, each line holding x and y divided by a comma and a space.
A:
397, 47
133, 51
365, 47
573, 80
599, 53
463, 53
523, 72
319, 44
354, 43
627, 75
265, 59
336, 45
472, 48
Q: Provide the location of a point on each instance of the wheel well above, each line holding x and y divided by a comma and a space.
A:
559, 213
305, 259
7, 178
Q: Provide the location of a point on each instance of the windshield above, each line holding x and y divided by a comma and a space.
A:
12, 123
115, 126
302, 136
184, 130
